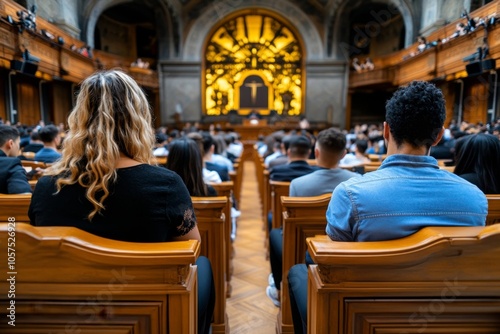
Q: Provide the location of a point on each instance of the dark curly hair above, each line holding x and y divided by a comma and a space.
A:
416, 114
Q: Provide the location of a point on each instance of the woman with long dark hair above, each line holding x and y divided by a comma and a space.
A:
185, 159
478, 161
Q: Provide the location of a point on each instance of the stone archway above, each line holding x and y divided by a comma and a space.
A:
339, 18
168, 46
198, 34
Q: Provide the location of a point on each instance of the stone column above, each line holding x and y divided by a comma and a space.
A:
63, 13
180, 91
326, 92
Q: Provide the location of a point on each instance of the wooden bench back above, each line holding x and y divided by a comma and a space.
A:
15, 206
211, 223
278, 189
225, 189
210, 216
303, 217
66, 278
493, 209
440, 279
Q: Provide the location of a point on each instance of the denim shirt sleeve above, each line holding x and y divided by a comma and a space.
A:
339, 216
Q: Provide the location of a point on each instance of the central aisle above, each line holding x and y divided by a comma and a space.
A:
249, 309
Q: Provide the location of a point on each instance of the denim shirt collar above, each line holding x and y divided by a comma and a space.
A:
409, 161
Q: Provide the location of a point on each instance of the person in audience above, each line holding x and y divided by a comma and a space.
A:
51, 139
35, 144
13, 178
209, 176
219, 156
329, 149
422, 44
298, 152
234, 146
208, 151
281, 159
358, 157
408, 191
478, 161
357, 66
106, 182
161, 143
278, 152
369, 65
185, 152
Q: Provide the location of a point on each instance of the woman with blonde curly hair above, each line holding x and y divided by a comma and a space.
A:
106, 182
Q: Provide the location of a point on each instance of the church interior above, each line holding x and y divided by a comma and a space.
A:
218, 61
252, 67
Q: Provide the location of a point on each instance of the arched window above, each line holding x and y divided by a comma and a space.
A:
253, 62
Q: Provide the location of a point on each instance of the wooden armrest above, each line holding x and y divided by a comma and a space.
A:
409, 251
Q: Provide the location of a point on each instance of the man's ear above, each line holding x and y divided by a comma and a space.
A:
439, 136
387, 131
316, 153
342, 154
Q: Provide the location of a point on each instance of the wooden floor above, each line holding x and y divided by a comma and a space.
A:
249, 309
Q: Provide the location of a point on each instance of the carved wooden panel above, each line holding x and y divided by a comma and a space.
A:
75, 67
91, 316
452, 316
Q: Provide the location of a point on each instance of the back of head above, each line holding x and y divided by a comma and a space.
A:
331, 143
300, 147
416, 114
7, 133
208, 141
185, 159
48, 133
480, 154
111, 118
331, 140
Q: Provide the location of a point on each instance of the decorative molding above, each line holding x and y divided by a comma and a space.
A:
198, 33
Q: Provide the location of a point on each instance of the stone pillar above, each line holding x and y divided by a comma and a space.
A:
63, 13
326, 91
180, 91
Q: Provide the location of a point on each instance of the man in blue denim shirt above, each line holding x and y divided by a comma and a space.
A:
407, 192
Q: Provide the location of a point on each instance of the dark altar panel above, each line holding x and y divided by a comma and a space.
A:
254, 94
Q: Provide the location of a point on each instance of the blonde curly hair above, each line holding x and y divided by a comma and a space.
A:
111, 117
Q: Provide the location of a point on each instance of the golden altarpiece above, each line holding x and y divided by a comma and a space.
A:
253, 63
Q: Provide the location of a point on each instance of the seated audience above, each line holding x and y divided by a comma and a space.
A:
329, 149
105, 182
208, 151
408, 192
369, 65
358, 156
185, 152
478, 161
13, 178
357, 66
51, 139
298, 152
35, 144
161, 143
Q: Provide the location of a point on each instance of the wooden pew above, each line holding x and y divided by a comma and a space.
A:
238, 178
68, 280
278, 189
210, 217
226, 189
493, 209
15, 206
303, 217
438, 280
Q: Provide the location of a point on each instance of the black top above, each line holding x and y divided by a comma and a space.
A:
146, 204
13, 178
292, 170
